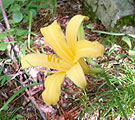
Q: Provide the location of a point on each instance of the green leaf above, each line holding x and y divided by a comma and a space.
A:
4, 78
131, 53
3, 46
32, 6
2, 35
1, 60
20, 0
119, 56
15, 8
10, 31
17, 17
95, 70
89, 26
34, 12
1, 68
92, 62
53, 2
19, 117
17, 93
112, 49
45, 5
11, 21
25, 19
7, 3
128, 41
20, 32
131, 35
42, 0
81, 33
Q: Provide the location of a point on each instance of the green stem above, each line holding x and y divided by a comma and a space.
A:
29, 31
42, 49
87, 99
117, 99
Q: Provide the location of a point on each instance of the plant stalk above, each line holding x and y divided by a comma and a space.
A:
29, 31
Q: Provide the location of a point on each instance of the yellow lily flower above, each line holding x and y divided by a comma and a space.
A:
69, 64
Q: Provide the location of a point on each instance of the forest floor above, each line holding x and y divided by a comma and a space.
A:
69, 107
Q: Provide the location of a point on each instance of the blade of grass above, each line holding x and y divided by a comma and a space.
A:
17, 93
2, 67
114, 93
24, 49
87, 99
42, 49
109, 33
12, 114
107, 111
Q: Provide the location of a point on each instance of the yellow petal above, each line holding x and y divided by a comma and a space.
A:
89, 49
52, 88
54, 37
72, 30
76, 74
32, 60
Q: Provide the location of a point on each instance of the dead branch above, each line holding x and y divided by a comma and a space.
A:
4, 15
32, 100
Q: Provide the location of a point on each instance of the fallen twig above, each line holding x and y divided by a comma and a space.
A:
4, 15
32, 100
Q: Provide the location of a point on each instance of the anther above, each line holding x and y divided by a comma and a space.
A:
49, 57
58, 59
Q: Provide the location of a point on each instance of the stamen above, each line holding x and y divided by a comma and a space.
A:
58, 59
52, 58
45, 70
49, 57
41, 69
